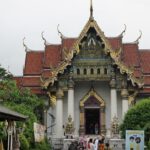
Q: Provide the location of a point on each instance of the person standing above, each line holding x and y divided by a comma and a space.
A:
96, 144
90, 145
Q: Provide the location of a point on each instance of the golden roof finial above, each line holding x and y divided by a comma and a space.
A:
91, 10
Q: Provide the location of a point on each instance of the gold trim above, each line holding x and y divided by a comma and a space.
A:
52, 99
114, 54
92, 92
59, 69
131, 98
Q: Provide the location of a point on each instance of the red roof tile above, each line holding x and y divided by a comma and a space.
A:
146, 80
137, 72
18, 81
33, 63
68, 42
116, 42
145, 61
52, 55
46, 73
37, 91
130, 54
31, 81
145, 91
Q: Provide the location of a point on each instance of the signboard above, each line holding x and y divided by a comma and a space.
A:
39, 132
134, 140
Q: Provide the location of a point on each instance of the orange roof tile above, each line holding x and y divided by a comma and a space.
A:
145, 91
33, 63
116, 42
147, 80
130, 54
52, 55
37, 91
31, 81
68, 42
145, 61
18, 81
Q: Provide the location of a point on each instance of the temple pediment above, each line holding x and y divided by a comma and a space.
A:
92, 39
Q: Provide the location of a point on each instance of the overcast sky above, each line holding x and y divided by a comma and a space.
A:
28, 18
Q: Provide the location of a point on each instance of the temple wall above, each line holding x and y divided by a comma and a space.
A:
82, 88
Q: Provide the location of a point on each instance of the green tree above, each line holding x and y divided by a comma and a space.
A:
24, 102
5, 74
138, 118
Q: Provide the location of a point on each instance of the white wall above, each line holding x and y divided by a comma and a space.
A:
82, 88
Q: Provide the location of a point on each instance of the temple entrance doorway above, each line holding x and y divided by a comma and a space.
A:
92, 121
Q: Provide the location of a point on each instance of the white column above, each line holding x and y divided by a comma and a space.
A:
59, 113
125, 106
113, 97
113, 103
71, 98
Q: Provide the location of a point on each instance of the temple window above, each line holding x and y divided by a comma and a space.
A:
105, 70
78, 71
84, 71
92, 71
98, 71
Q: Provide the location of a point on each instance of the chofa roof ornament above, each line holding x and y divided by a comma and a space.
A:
137, 40
60, 33
123, 32
25, 46
44, 39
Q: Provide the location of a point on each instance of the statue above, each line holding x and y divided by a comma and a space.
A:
69, 128
115, 126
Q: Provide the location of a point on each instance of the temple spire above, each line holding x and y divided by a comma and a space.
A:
91, 10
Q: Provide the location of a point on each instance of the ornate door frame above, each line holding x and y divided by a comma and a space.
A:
92, 93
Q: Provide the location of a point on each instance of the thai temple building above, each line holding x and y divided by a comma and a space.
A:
91, 78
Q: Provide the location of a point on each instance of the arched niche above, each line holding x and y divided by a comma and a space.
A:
92, 102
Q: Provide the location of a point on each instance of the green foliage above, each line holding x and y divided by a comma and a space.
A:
148, 145
4, 74
42, 146
2, 131
24, 142
138, 118
24, 102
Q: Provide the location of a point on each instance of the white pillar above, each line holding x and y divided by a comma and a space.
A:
59, 113
125, 106
113, 103
113, 97
71, 98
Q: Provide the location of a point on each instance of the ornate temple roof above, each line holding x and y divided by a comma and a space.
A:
41, 63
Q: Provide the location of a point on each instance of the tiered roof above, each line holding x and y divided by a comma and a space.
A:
39, 64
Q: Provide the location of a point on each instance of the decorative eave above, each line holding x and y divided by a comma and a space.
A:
92, 92
68, 54
114, 54
91, 23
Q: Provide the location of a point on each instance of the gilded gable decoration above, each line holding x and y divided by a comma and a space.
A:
59, 69
93, 41
91, 93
